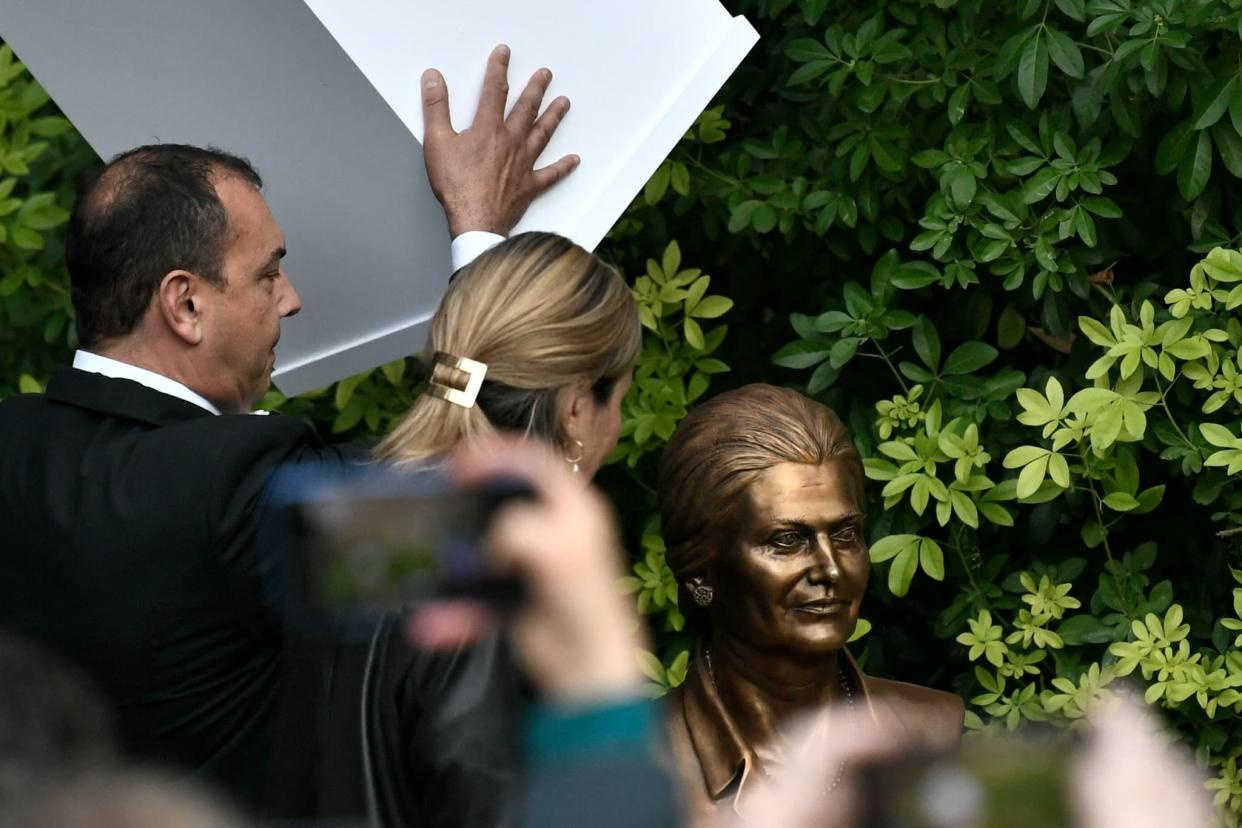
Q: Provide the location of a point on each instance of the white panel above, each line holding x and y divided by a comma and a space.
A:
368, 245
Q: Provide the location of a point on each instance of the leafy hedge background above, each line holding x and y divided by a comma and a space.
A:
1000, 239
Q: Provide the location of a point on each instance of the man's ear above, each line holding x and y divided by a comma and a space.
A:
179, 302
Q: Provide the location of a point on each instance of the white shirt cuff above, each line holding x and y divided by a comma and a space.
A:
470, 245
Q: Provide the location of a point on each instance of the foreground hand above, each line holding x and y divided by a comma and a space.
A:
484, 176
576, 634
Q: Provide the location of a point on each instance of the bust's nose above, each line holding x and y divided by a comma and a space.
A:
826, 569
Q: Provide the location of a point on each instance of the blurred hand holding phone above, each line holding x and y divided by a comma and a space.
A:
500, 533
1122, 771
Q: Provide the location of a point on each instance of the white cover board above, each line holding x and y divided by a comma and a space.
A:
323, 96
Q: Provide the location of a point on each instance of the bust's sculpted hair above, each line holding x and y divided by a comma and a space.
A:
543, 314
722, 447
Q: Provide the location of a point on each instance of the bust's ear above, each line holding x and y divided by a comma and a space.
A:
179, 303
701, 590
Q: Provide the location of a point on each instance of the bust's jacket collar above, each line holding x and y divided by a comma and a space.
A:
728, 763
120, 398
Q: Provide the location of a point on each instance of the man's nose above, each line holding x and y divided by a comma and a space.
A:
291, 303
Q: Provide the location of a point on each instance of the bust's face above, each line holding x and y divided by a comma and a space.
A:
796, 573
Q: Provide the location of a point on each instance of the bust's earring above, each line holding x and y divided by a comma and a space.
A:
701, 592
574, 461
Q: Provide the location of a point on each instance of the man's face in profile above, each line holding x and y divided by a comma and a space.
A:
244, 325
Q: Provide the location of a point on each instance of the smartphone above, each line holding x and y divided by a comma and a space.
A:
381, 539
1003, 781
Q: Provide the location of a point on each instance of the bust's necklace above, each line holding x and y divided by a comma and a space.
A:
846, 685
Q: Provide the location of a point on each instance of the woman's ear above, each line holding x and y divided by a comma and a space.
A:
179, 300
576, 406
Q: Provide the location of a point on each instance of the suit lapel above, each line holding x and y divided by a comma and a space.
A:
120, 398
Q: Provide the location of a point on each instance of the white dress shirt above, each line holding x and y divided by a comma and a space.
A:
470, 245
96, 364
465, 249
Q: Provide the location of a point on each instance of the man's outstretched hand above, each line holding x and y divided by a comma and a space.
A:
484, 176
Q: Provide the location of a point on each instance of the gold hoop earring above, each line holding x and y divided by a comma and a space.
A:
574, 461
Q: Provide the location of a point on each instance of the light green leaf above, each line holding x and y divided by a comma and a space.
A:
931, 559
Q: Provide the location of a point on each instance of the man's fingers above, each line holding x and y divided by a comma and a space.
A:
526, 109
495, 88
541, 133
549, 175
436, 118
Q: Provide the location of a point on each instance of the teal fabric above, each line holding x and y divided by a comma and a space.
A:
561, 732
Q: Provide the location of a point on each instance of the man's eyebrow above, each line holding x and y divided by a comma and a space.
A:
276, 256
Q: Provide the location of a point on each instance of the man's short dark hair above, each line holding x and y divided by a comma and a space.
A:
149, 211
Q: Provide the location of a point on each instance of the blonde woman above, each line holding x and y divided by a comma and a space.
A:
536, 336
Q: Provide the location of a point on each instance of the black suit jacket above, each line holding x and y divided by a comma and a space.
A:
128, 546
128, 543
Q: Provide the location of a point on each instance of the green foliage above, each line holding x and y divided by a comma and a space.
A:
978, 219
40, 157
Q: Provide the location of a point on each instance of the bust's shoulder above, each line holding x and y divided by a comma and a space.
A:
932, 716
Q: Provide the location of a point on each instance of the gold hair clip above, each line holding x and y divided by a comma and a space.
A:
464, 397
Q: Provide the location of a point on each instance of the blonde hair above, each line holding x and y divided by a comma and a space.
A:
543, 314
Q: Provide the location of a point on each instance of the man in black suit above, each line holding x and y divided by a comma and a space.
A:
130, 492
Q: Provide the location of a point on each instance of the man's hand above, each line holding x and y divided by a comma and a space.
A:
484, 176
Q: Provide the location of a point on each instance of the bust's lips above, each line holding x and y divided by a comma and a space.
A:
823, 606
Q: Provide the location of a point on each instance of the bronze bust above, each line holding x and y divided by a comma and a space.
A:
761, 497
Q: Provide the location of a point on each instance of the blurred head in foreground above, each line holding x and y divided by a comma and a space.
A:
118, 800
558, 332
51, 719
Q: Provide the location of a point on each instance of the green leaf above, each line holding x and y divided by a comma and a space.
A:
823, 377
1033, 70
712, 307
1120, 502
1149, 499
694, 334
931, 559
802, 354
1093, 534
1085, 629
1229, 145
969, 357
1195, 168
1074, 9
843, 351
657, 185
889, 547
1173, 147
740, 217
1010, 328
764, 218
650, 666
927, 342
394, 371
1216, 102
901, 573
1064, 52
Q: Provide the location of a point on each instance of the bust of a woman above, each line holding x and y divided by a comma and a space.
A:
761, 497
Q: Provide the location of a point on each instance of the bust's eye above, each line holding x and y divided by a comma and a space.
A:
848, 534
785, 540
